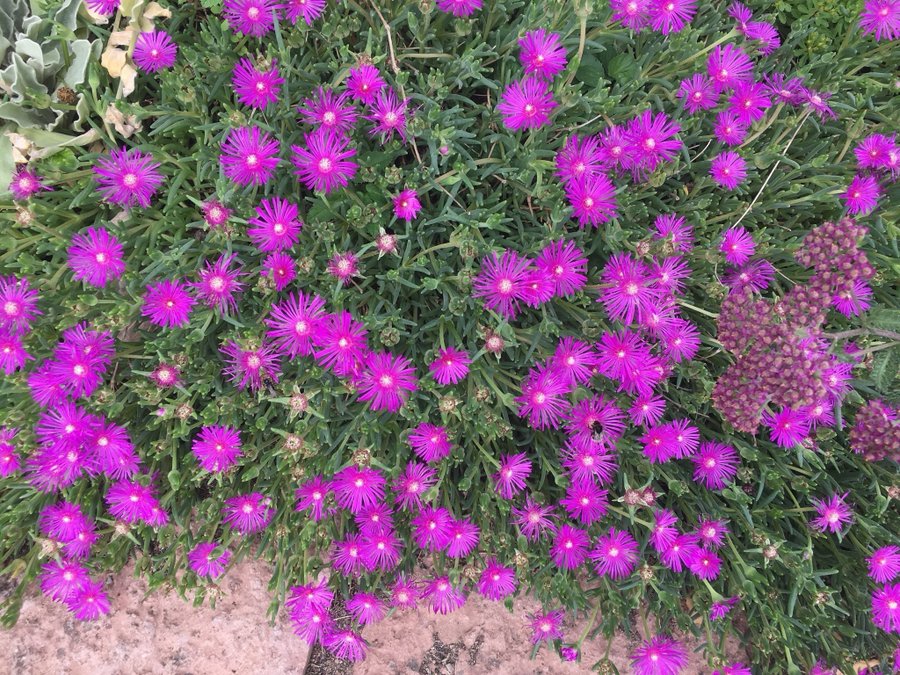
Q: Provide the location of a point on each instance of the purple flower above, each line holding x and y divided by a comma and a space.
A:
113, 450
96, 257
249, 156
217, 448
443, 596
564, 263
569, 548
248, 513
12, 352
127, 177
853, 300
785, 90
755, 275
660, 655
130, 501
547, 626
324, 164
650, 139
431, 528
764, 33
632, 14
330, 112
366, 608
728, 65
585, 502
251, 367
886, 608
749, 101
251, 17
209, 559
461, 8
705, 564
579, 157
388, 114
381, 550
168, 304
501, 282
356, 487
593, 200
833, 514
280, 268
674, 228
407, 205
542, 53
543, 399
88, 602
718, 610
404, 593
462, 538
342, 344
510, 479
218, 285
25, 183
736, 668
255, 88
861, 196
154, 51
615, 554
697, 93
881, 17
387, 381
295, 323
415, 480
818, 102
345, 644
533, 519
344, 266
308, 10
276, 226
526, 104
647, 410
712, 532
430, 442
627, 289
729, 129
873, 152
884, 564
496, 581
348, 555
787, 427
215, 214
680, 552
588, 461
671, 16
364, 83
9, 460
60, 580
737, 245
450, 366
728, 170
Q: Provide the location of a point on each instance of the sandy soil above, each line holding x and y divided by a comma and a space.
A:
163, 635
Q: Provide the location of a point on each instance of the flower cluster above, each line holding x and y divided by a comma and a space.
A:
875, 433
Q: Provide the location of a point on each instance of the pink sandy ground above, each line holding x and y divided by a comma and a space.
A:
161, 634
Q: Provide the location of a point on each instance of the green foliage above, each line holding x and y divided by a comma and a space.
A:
483, 188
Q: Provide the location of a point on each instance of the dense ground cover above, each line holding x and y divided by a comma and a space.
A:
594, 301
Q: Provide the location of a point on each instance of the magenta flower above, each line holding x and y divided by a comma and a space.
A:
585, 502
711, 533
12, 352
388, 114
60, 580
765, 34
719, 610
462, 538
502, 282
628, 290
624, 357
443, 596
131, 502
547, 626
9, 460
18, 303
26, 183
450, 366
884, 564
218, 285
154, 51
832, 514
96, 257
407, 205
728, 170
671, 16
660, 655
168, 304
365, 608
570, 547
255, 88
329, 111
251, 17
728, 129
787, 427
364, 83
295, 323
345, 644
344, 266
564, 263
613, 146
588, 461
215, 214
542, 53
886, 608
217, 448
324, 164
784, 89
311, 621
127, 177
311, 495
741, 15
341, 344
526, 104
430, 442
737, 245
461, 8
650, 139
279, 267
404, 593
818, 103
386, 243
88, 602
496, 581
543, 399
251, 367
381, 550
510, 478
881, 17
755, 275
249, 156
579, 157
248, 513
705, 564
431, 528
664, 532
697, 93
680, 552
749, 101
103, 7
113, 449
356, 487
347, 557
308, 10
387, 381
647, 410
533, 519
575, 361
409, 487
861, 196
615, 555
276, 226
593, 200
728, 65
632, 14
873, 152
209, 559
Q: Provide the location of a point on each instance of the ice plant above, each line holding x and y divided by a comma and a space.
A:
256, 88
881, 18
154, 51
219, 284
659, 655
430, 442
407, 205
96, 257
727, 66
542, 53
884, 564
217, 448
209, 559
168, 304
697, 93
296, 322
728, 170
276, 226
388, 116
886, 608
249, 156
496, 581
547, 626
248, 513
671, 16
251, 17
715, 465
387, 381
324, 162
832, 514
329, 111
364, 83
128, 177
461, 8
526, 104
26, 183
615, 554
252, 367
862, 194
308, 10
510, 478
